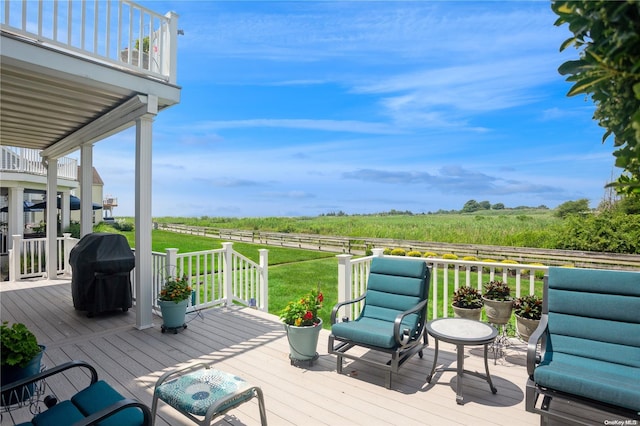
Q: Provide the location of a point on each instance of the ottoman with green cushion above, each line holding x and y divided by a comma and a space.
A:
205, 392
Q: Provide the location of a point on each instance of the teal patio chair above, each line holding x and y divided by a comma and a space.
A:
98, 403
392, 319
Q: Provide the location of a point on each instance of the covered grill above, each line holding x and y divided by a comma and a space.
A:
101, 264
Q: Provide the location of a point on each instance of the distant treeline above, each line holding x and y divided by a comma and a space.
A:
469, 207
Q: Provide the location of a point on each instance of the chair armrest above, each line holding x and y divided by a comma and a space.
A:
115, 408
50, 372
532, 346
398, 321
338, 305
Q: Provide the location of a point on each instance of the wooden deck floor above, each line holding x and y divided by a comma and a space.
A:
253, 345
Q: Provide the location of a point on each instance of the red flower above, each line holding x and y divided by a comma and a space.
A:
320, 297
308, 315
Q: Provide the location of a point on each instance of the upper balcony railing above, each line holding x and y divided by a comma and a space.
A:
106, 30
26, 160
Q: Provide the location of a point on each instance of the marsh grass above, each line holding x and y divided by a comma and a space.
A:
522, 228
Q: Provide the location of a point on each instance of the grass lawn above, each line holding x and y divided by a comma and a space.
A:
295, 272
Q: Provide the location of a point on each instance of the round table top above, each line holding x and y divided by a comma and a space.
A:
462, 331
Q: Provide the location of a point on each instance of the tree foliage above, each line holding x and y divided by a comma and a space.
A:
607, 36
572, 207
612, 232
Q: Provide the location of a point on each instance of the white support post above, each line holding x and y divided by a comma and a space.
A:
52, 219
14, 258
344, 280
264, 280
171, 266
86, 190
143, 271
15, 219
69, 244
170, 60
227, 273
65, 211
377, 252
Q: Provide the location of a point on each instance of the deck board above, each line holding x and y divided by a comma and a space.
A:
253, 345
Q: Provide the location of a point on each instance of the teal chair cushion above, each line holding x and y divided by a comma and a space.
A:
195, 392
394, 286
371, 331
63, 413
599, 380
99, 396
593, 341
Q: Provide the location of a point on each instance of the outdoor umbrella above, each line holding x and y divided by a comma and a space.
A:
27, 207
74, 204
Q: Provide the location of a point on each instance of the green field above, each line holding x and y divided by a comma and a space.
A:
522, 228
292, 272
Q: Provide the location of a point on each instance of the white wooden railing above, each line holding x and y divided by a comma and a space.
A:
27, 160
218, 277
104, 30
446, 276
29, 260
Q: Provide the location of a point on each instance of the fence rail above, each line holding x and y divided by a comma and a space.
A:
362, 246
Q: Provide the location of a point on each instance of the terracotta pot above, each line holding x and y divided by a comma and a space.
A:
468, 313
498, 311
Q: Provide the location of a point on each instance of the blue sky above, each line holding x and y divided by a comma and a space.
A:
303, 108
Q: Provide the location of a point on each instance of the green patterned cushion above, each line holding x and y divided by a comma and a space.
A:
196, 392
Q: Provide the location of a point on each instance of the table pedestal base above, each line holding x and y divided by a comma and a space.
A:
461, 371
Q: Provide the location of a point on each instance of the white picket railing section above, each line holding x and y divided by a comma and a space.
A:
30, 260
27, 160
218, 277
104, 30
446, 276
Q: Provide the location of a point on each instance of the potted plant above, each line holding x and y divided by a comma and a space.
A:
498, 302
21, 358
302, 324
467, 303
528, 310
173, 302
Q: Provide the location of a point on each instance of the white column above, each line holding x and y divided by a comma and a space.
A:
143, 222
15, 221
65, 211
86, 190
52, 218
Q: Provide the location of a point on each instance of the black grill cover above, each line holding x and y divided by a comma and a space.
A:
101, 264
